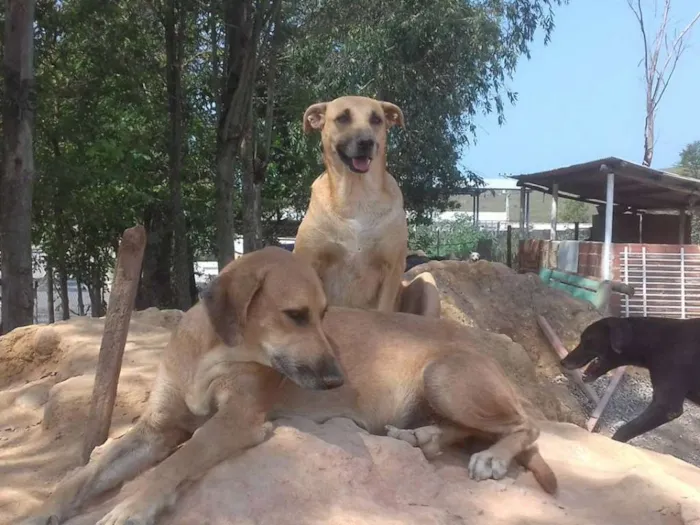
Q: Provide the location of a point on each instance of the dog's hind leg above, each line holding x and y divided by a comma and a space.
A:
474, 394
420, 296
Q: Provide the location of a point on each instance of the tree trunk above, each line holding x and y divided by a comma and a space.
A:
63, 291
174, 40
243, 30
225, 181
215, 73
18, 173
649, 134
252, 196
49, 292
95, 301
97, 308
81, 303
194, 293
256, 153
155, 287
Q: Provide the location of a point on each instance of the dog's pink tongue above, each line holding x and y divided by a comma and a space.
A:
361, 163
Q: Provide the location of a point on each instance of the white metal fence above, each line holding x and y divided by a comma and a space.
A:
666, 284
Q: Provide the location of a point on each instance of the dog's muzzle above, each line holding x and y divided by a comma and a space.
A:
323, 374
575, 360
593, 371
358, 152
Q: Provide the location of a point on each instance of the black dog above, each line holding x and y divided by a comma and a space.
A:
668, 348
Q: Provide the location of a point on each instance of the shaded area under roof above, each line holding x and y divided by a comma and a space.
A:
636, 187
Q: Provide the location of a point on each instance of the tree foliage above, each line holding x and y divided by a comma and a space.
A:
690, 160
574, 211
106, 151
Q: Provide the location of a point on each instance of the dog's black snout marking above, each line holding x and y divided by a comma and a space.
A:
331, 375
365, 146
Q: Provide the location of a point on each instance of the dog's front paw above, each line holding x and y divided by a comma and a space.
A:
486, 465
135, 511
425, 438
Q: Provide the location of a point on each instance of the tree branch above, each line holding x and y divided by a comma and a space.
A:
674, 54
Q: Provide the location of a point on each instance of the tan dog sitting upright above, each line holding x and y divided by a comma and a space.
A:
263, 343
354, 232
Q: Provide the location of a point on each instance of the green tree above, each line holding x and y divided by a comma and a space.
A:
690, 160
186, 116
689, 164
574, 211
442, 62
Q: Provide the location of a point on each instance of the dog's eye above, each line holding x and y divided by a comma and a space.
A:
375, 119
343, 118
300, 317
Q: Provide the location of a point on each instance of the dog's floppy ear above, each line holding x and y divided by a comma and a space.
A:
620, 333
228, 297
315, 117
393, 114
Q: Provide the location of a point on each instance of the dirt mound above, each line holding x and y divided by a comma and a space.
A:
28, 352
326, 474
24, 349
335, 473
167, 319
495, 298
45, 396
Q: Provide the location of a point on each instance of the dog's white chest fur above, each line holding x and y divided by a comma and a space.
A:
364, 257
361, 235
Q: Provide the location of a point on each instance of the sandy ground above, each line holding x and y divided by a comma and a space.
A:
46, 376
308, 474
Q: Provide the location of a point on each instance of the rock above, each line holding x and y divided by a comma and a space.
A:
24, 349
33, 396
68, 402
336, 474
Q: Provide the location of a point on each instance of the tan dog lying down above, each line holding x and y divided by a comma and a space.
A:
257, 346
354, 232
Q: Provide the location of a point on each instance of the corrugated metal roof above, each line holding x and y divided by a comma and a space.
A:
636, 186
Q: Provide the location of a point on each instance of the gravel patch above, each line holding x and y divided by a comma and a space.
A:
679, 438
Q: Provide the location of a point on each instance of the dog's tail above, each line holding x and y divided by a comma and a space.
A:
201, 391
532, 460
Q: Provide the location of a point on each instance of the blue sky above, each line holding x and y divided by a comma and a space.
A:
582, 96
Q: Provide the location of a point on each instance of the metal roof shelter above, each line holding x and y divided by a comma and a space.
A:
612, 182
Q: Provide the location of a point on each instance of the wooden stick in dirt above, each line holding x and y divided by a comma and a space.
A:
558, 347
593, 420
109, 363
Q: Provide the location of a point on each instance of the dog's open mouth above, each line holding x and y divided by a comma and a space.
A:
356, 164
592, 371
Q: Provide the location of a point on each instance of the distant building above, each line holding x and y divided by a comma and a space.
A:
499, 207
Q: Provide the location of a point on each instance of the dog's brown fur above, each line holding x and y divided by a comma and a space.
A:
354, 232
255, 349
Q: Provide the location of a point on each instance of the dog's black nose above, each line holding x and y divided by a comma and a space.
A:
331, 375
365, 146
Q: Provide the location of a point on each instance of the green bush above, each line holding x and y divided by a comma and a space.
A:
441, 238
